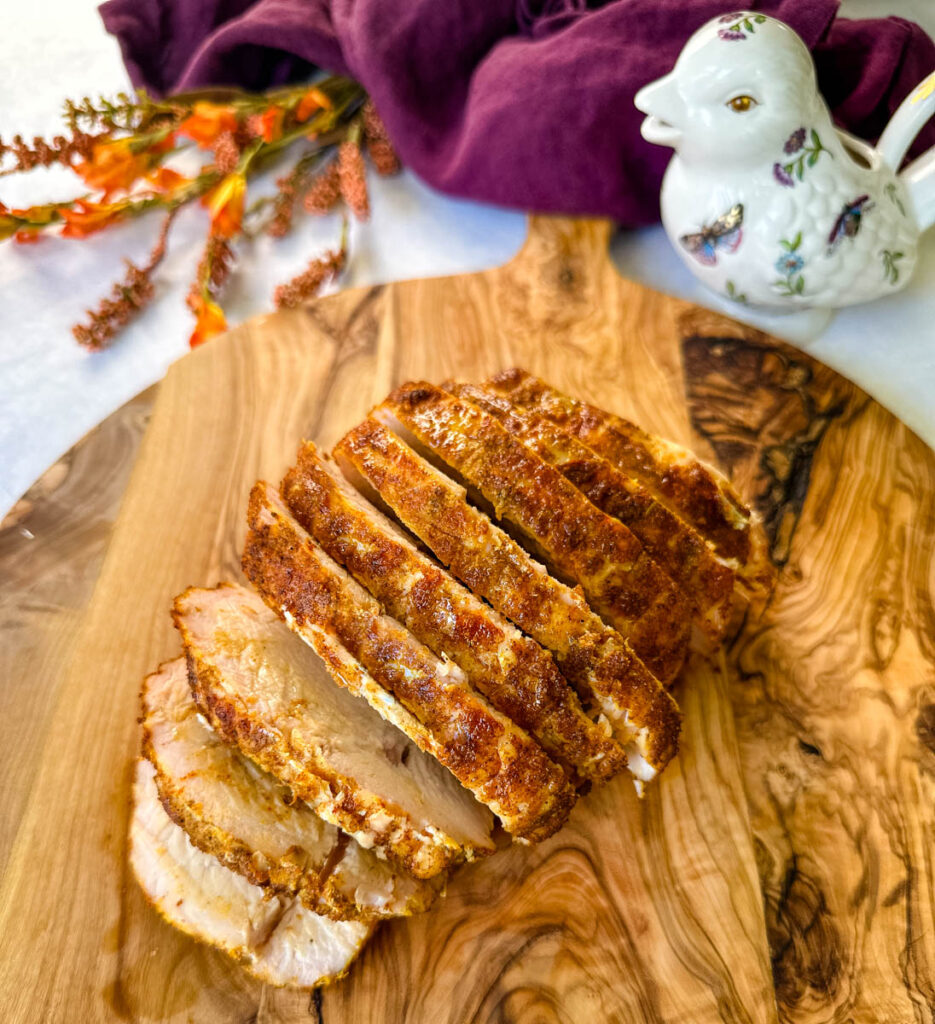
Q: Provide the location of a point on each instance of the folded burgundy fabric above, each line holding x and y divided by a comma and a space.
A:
526, 103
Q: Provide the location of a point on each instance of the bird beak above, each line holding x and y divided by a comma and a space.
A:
660, 100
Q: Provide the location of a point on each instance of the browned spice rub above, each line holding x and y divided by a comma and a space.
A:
263, 691
487, 752
513, 672
707, 582
594, 657
693, 490
622, 582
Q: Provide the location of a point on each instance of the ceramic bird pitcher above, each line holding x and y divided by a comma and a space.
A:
765, 200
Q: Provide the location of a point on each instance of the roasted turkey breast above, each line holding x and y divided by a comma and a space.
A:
707, 583
277, 939
264, 690
511, 670
253, 824
594, 657
581, 542
487, 752
697, 492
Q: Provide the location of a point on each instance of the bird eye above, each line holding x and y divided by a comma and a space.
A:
741, 104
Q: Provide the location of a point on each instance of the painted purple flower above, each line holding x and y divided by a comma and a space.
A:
726, 19
795, 141
726, 33
782, 175
789, 263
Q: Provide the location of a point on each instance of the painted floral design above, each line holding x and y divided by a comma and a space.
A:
739, 26
734, 295
790, 265
795, 141
890, 265
804, 154
893, 197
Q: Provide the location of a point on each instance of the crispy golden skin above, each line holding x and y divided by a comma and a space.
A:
594, 657
263, 690
621, 581
677, 547
488, 753
512, 671
253, 824
697, 492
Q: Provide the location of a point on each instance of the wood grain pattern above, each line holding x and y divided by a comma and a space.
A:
635, 911
835, 688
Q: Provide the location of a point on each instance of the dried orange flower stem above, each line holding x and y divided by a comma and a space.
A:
122, 150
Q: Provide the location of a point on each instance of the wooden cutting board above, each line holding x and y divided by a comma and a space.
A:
636, 911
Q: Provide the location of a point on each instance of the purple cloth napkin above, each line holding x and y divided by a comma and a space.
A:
525, 103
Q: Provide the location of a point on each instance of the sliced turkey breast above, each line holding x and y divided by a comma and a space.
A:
692, 489
622, 583
253, 824
678, 548
512, 671
594, 657
267, 692
488, 753
276, 939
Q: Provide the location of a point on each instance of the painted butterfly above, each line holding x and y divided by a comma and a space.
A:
848, 223
724, 234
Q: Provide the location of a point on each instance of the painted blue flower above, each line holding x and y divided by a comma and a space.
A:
789, 263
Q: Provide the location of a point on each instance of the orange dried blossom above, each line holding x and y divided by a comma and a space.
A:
164, 179
207, 121
86, 218
114, 164
210, 321
311, 101
271, 124
226, 206
27, 236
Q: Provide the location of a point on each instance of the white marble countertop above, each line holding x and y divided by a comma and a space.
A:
52, 392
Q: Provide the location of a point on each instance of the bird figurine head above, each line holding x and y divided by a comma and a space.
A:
765, 200
721, 103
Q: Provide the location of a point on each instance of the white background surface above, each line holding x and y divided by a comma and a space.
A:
52, 391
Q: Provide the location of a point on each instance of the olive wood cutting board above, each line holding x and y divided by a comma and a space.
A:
646, 910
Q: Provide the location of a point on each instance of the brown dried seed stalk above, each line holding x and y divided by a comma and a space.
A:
126, 299
308, 283
213, 271
43, 153
352, 176
226, 153
325, 191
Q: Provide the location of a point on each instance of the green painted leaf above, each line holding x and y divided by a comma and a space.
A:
799, 169
815, 140
797, 241
813, 158
747, 25
759, 18
800, 285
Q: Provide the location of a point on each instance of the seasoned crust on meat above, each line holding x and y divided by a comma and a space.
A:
621, 581
276, 939
690, 488
678, 548
272, 696
489, 754
594, 657
511, 670
253, 824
